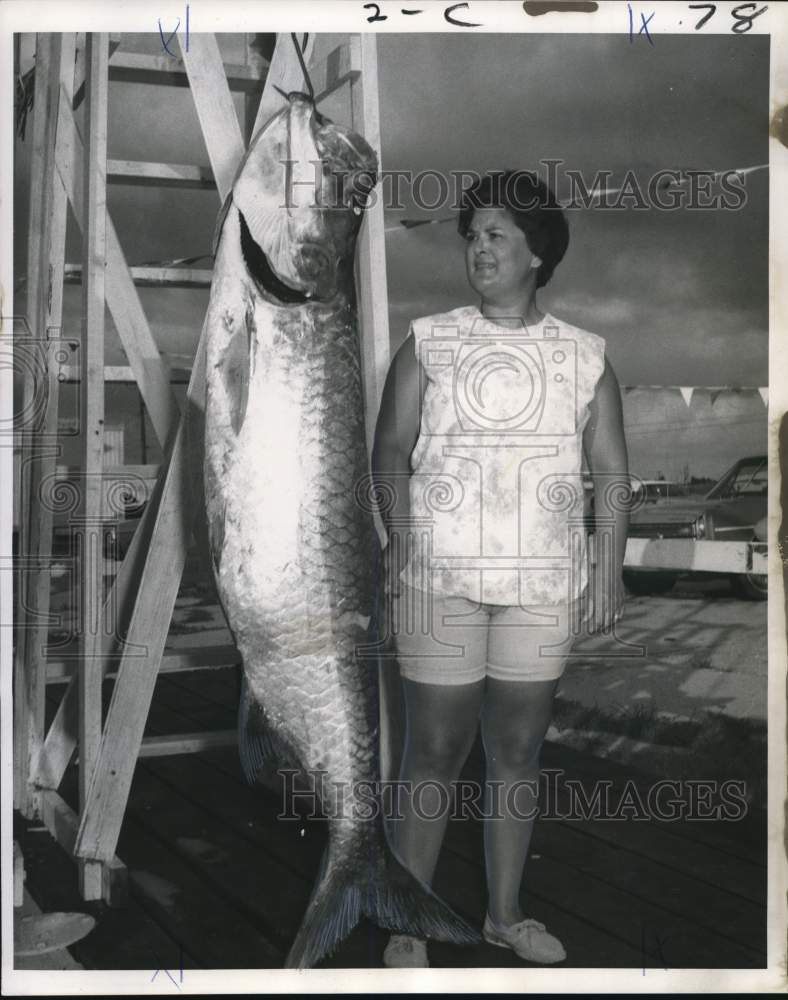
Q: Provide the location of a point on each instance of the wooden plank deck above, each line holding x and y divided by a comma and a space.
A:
217, 881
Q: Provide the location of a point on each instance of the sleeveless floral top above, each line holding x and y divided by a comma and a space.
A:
496, 491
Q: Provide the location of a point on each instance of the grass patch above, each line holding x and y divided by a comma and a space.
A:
709, 745
636, 722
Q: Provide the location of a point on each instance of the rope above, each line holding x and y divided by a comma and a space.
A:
304, 70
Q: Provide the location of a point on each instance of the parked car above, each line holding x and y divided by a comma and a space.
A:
657, 490
733, 510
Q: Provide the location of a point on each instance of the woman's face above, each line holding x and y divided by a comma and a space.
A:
499, 264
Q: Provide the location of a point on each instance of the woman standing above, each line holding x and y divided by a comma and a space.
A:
486, 414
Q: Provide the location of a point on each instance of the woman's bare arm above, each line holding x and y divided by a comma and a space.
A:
606, 454
396, 433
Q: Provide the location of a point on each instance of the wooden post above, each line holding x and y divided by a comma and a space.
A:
29, 682
94, 256
371, 257
374, 322
44, 466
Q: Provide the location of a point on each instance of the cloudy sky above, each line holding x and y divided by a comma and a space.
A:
681, 297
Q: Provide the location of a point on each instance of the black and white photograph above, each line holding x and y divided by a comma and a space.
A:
392, 457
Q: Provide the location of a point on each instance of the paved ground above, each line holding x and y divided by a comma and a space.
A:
680, 692
695, 649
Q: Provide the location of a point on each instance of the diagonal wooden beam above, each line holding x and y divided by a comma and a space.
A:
54, 756
283, 73
215, 108
149, 368
107, 796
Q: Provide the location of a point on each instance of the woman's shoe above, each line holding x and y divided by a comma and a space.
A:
528, 939
405, 952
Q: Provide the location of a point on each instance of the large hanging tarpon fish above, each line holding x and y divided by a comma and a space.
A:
293, 551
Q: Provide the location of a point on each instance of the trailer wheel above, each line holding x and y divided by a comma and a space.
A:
751, 586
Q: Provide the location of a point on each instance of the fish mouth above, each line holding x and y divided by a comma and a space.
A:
258, 266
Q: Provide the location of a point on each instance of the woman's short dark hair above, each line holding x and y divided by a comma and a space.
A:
533, 208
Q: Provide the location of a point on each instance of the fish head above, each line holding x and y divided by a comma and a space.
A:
300, 195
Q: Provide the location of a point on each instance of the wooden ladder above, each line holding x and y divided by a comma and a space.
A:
68, 169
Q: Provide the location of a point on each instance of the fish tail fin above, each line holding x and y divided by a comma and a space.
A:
406, 905
390, 896
334, 909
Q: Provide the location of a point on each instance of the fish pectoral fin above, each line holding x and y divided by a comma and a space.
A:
235, 368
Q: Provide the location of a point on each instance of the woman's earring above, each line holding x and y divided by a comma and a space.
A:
535, 262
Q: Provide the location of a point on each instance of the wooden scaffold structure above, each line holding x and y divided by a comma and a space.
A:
72, 169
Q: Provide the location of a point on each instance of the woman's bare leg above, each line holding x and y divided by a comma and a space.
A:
514, 722
441, 726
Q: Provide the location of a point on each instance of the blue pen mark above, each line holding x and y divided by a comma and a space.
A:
166, 41
644, 23
167, 972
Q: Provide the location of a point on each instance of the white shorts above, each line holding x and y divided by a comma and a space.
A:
442, 639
